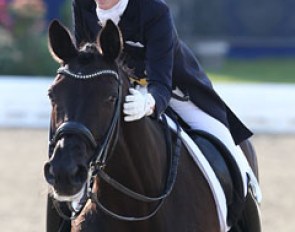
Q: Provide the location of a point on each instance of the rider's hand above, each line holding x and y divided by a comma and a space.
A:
138, 104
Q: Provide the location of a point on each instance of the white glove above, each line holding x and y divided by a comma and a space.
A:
139, 104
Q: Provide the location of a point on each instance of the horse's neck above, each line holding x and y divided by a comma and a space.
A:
141, 150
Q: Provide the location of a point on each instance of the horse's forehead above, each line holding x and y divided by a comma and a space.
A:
77, 77
81, 89
89, 47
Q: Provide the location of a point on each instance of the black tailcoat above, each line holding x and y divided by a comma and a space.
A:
153, 48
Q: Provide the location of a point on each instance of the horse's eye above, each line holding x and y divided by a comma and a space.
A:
112, 98
51, 97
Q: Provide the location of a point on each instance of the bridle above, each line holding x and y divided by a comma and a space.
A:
102, 151
72, 127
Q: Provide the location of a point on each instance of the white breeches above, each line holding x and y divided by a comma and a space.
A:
198, 119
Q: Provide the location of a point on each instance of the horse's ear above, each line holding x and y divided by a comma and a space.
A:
61, 45
110, 41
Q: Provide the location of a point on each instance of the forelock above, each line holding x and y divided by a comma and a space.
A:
88, 52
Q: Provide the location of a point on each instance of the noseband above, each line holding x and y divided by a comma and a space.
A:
101, 152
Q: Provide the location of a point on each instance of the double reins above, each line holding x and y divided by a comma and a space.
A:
170, 181
101, 152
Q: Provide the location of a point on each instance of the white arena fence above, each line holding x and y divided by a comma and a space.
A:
265, 108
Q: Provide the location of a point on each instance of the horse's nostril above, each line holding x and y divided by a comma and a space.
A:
48, 173
80, 174
73, 175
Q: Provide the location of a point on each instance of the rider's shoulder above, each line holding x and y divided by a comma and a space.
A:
157, 5
153, 9
86, 4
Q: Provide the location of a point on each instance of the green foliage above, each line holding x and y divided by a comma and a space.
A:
24, 48
27, 55
256, 70
34, 57
66, 14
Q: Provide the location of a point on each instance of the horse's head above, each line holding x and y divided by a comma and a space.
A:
85, 98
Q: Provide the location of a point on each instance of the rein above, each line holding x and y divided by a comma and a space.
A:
98, 163
170, 181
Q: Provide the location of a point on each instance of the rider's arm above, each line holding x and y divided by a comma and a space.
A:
159, 56
84, 22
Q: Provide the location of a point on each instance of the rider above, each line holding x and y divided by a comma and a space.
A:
153, 50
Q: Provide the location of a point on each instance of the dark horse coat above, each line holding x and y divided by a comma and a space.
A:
87, 128
152, 47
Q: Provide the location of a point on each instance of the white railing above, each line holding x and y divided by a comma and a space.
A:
265, 108
24, 102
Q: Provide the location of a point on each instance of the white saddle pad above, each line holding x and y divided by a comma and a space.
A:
215, 186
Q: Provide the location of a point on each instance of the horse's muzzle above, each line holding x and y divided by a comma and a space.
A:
66, 181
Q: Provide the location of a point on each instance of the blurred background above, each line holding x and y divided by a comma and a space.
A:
224, 34
247, 48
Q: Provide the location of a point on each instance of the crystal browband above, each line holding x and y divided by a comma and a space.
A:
66, 71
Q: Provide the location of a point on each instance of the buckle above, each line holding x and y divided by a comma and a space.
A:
139, 81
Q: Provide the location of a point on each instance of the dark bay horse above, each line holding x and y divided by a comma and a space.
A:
105, 174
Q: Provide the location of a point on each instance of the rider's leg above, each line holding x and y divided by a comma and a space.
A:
198, 119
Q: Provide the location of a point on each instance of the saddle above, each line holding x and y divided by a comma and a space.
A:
223, 164
226, 170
